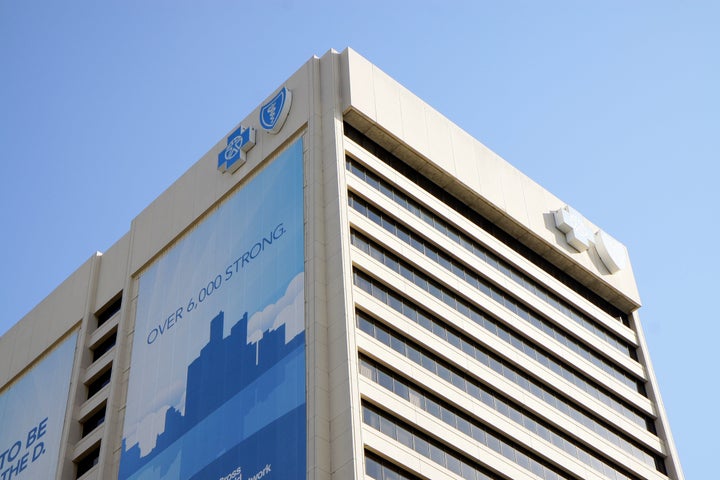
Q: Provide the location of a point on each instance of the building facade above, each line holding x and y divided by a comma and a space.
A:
346, 286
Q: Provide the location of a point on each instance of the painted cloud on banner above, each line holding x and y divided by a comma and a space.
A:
287, 311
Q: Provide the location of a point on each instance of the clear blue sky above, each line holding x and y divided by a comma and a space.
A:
613, 106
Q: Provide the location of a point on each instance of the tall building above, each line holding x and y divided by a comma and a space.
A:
347, 286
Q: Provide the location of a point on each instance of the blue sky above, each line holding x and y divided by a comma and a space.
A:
613, 106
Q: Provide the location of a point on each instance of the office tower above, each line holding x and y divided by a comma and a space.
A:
346, 286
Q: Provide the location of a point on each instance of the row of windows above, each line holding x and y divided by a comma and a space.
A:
491, 399
450, 415
441, 194
468, 275
489, 258
471, 348
380, 469
469, 311
449, 459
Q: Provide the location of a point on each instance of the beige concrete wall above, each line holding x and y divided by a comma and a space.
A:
43, 327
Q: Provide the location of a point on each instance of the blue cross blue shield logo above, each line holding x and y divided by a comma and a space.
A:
274, 113
238, 144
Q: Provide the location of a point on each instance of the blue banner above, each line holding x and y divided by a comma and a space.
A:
32, 414
217, 377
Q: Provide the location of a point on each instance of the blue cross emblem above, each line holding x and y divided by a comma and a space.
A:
238, 144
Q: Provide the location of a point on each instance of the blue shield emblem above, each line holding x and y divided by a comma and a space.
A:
274, 113
238, 144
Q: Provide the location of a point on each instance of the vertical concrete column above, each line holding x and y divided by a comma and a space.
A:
71, 427
318, 395
336, 448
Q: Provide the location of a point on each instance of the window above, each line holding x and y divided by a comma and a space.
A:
93, 421
84, 464
99, 382
106, 313
103, 347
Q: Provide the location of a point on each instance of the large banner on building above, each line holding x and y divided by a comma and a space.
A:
32, 413
217, 377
